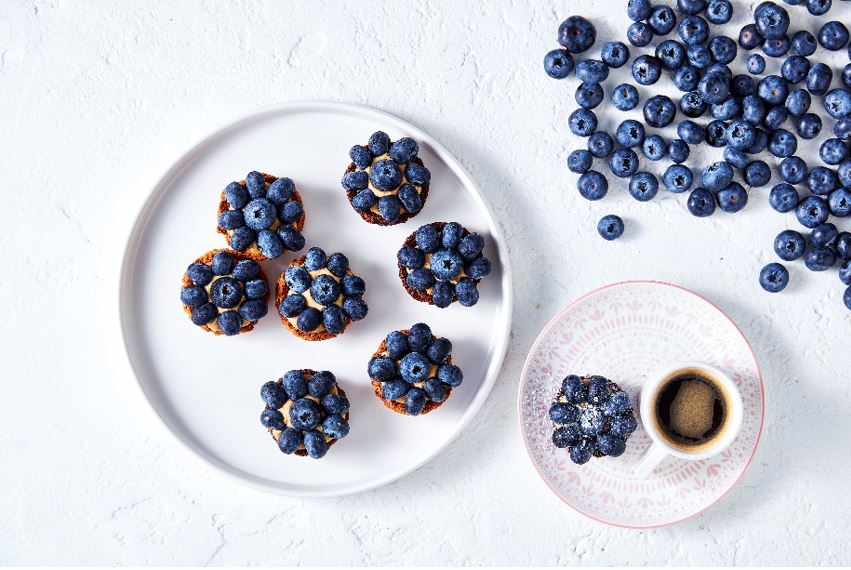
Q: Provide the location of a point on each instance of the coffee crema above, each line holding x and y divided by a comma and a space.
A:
690, 410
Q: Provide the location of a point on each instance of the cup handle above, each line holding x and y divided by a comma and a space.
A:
648, 462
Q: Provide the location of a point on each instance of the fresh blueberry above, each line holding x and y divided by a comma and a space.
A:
231, 219
783, 198
352, 286
203, 314
200, 273
229, 322
471, 246
335, 427
591, 71
404, 150
756, 64
297, 279
793, 169
677, 178
270, 244
772, 21
638, 10
598, 390
659, 111
574, 389
818, 7
589, 95
819, 78
646, 70
381, 369
467, 293
567, 435
396, 344
630, 133
355, 308
798, 102
226, 292
600, 144
782, 143
272, 419
809, 126
592, 185
315, 259
379, 143
293, 239
773, 90
193, 296
450, 375
354, 181
478, 268
692, 105
742, 85
821, 181
394, 389
338, 264
795, 68
443, 293
691, 7
419, 337
839, 202
439, 350
812, 211
716, 176
256, 288
582, 452
777, 47
753, 109
259, 214
719, 11
411, 257
643, 186
639, 34
686, 78
845, 272
622, 426
693, 30
360, 155
824, 234
654, 147
273, 394
701, 203
833, 36
735, 158
253, 310
662, 20
364, 200
623, 163
582, 122
723, 49
617, 404
820, 258
740, 135
580, 161
446, 264
290, 440
789, 245
255, 182
611, 445
846, 76
775, 117
715, 132
732, 198
420, 279
558, 63
315, 444
390, 208
576, 34
386, 175
292, 305
417, 174
774, 277
436, 390
290, 211
591, 420
320, 384
837, 103
726, 110
325, 289
415, 401
803, 43
236, 195
749, 37
309, 319
615, 54
562, 413
678, 151
625, 97
295, 384
610, 227
428, 238
843, 173
698, 56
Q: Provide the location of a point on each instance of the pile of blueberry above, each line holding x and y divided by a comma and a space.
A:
442, 263
592, 417
319, 409
746, 118
227, 292
416, 368
269, 214
326, 290
394, 171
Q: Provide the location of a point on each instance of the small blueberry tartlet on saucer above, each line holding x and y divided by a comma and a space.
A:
225, 292
412, 371
262, 216
306, 412
318, 296
592, 416
441, 263
386, 182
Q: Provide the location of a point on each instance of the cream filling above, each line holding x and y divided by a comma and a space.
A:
382, 193
311, 302
455, 280
285, 411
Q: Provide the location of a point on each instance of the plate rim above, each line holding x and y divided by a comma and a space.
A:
189, 154
546, 329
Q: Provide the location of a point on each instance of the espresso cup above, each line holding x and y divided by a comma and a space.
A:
690, 410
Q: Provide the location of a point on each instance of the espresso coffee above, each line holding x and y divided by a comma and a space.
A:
691, 410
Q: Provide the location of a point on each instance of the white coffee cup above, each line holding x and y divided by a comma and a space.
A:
663, 443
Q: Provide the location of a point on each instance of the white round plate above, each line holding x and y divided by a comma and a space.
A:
207, 388
625, 332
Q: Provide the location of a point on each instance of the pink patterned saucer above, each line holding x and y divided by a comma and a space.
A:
624, 332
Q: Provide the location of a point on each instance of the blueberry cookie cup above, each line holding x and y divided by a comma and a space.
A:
592, 416
225, 292
412, 371
262, 216
386, 182
441, 263
318, 296
306, 412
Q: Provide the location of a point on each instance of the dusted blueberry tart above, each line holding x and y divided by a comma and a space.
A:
441, 263
386, 182
225, 292
318, 296
262, 216
412, 371
306, 412
592, 416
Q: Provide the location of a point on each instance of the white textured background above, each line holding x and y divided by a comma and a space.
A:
98, 98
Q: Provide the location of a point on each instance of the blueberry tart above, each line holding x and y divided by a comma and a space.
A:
306, 412
262, 216
592, 416
225, 292
318, 296
412, 371
441, 263
386, 182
